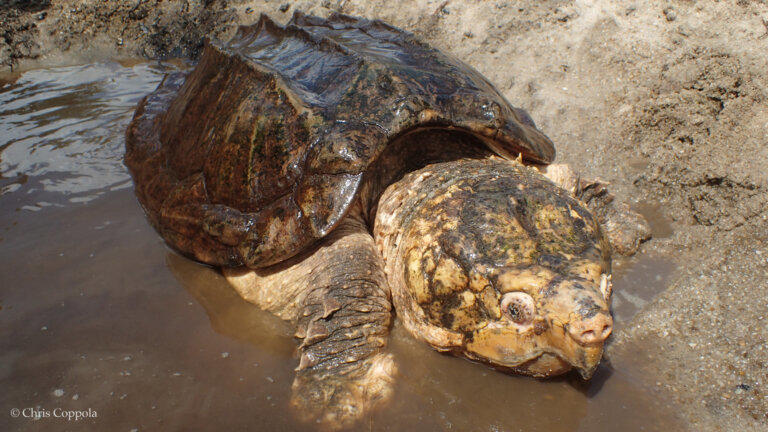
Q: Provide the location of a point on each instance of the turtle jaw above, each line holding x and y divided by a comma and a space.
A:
547, 364
542, 356
537, 365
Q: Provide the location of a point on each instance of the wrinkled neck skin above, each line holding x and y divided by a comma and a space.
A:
487, 259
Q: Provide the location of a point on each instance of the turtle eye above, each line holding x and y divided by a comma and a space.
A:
519, 308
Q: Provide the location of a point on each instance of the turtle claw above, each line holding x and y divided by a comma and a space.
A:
335, 399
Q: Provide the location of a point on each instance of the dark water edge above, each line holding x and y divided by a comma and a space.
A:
95, 312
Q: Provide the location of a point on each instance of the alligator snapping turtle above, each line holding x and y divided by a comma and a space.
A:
337, 168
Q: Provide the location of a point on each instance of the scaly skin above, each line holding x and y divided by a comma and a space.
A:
337, 295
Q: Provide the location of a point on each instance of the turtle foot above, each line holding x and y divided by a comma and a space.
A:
625, 228
338, 399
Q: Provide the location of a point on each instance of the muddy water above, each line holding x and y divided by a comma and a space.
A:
96, 313
639, 279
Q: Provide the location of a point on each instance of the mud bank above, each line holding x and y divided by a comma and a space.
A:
664, 99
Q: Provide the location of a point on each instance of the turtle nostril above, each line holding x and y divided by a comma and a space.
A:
593, 330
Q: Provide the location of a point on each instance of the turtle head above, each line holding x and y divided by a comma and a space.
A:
495, 263
547, 324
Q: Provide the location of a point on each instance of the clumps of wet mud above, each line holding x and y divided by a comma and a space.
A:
18, 29
65, 31
152, 28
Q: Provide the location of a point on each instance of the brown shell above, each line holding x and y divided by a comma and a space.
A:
261, 149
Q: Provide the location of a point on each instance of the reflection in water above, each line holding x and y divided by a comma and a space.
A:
229, 314
62, 130
97, 314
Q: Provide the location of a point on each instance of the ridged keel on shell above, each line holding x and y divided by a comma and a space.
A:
261, 150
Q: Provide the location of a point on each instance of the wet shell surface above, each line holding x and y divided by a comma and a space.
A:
260, 150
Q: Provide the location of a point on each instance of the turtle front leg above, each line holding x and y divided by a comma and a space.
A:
625, 228
338, 297
344, 321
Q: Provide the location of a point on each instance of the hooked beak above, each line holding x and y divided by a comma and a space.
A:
587, 372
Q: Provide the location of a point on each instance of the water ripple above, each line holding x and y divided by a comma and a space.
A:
62, 130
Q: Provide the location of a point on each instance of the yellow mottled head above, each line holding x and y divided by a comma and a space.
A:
495, 263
